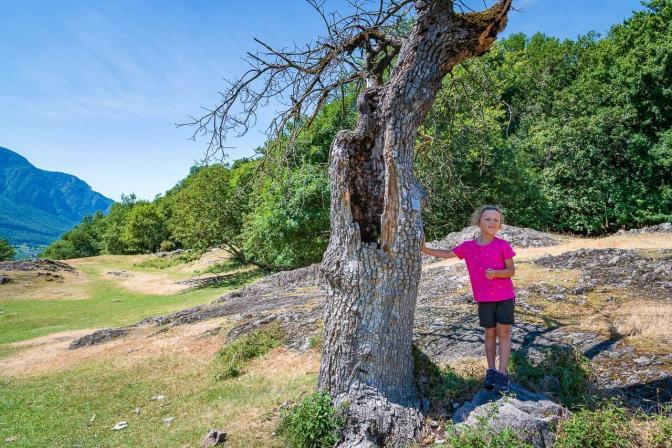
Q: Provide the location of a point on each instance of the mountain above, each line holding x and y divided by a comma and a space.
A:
37, 206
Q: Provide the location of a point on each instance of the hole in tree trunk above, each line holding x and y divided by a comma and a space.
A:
366, 189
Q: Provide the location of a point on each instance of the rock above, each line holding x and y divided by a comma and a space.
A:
533, 416
158, 397
168, 421
98, 337
120, 425
643, 361
136, 411
36, 264
122, 274
11, 439
4, 280
214, 438
665, 227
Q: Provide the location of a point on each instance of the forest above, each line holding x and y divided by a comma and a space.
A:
570, 136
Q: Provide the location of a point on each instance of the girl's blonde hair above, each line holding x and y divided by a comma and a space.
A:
476, 216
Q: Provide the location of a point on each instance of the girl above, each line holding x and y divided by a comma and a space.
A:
490, 264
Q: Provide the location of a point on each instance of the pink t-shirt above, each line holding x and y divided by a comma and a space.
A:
479, 259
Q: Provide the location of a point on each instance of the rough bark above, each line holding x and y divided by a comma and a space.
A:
372, 264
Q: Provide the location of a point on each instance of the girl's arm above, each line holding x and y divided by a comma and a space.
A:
508, 271
440, 253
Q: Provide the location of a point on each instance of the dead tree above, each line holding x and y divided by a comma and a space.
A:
399, 51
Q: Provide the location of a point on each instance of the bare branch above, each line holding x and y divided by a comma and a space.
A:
358, 48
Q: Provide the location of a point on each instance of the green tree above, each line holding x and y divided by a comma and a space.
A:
207, 209
7, 251
289, 225
83, 240
113, 241
144, 229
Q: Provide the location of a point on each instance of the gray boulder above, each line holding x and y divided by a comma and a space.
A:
533, 416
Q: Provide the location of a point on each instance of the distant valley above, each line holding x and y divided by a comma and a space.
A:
38, 206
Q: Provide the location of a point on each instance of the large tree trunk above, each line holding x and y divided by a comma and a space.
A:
372, 263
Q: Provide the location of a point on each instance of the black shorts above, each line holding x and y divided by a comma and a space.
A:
492, 313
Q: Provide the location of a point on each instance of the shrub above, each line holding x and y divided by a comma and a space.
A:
312, 423
232, 358
566, 365
7, 251
166, 246
606, 427
166, 262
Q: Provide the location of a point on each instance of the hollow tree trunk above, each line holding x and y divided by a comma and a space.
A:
372, 264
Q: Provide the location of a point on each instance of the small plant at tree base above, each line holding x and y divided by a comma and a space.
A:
232, 358
567, 369
311, 423
606, 427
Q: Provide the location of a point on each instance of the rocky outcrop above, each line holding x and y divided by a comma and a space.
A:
516, 236
615, 268
665, 227
534, 417
36, 264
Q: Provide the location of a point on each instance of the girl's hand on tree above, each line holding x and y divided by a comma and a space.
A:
423, 246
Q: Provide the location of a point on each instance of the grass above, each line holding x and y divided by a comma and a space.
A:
607, 427
224, 266
57, 410
642, 323
233, 357
483, 436
107, 304
169, 261
236, 279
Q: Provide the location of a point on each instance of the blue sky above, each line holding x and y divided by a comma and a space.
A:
94, 88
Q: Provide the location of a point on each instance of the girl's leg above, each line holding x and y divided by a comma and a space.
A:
504, 336
491, 346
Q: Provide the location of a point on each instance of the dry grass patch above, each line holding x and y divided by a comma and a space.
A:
50, 354
32, 286
209, 258
645, 241
643, 324
528, 274
149, 283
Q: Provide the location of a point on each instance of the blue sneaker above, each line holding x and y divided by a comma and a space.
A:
502, 383
490, 376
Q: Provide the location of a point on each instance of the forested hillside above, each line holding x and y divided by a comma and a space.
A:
567, 136
38, 206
